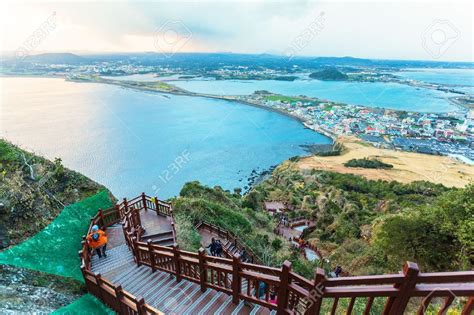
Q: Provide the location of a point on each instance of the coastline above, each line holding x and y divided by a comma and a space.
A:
174, 90
230, 98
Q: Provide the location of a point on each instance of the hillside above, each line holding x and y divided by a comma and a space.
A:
369, 226
329, 74
366, 226
33, 191
55, 58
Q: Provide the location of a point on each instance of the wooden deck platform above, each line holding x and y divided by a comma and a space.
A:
160, 289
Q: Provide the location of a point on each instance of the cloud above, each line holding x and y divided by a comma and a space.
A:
363, 29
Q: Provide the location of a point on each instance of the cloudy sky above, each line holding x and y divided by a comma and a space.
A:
431, 30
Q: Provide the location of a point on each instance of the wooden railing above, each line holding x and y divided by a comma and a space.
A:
130, 213
212, 228
256, 283
112, 295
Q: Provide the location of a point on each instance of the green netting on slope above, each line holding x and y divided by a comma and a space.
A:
87, 304
54, 249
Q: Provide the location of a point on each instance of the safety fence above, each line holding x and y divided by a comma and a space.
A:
278, 289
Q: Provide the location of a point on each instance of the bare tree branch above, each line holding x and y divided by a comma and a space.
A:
32, 173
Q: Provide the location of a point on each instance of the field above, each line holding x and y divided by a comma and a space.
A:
407, 166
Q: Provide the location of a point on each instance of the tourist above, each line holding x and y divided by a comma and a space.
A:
97, 239
218, 248
262, 286
338, 271
212, 246
243, 255
273, 298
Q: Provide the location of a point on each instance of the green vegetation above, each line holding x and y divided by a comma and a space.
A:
368, 163
337, 149
329, 74
371, 227
285, 99
447, 240
365, 226
87, 304
33, 191
231, 212
54, 249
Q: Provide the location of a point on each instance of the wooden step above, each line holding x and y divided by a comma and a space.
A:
156, 235
164, 241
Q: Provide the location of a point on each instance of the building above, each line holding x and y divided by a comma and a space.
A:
274, 206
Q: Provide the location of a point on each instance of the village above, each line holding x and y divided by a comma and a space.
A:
452, 132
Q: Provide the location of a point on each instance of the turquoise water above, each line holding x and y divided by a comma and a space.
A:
460, 79
133, 141
455, 77
387, 95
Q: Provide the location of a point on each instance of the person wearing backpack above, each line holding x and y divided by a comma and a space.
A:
97, 239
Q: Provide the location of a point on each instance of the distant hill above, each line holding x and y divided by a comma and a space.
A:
56, 58
329, 74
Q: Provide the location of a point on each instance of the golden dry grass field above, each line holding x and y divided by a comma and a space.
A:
407, 166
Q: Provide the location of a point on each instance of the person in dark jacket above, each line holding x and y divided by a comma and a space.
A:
218, 248
212, 246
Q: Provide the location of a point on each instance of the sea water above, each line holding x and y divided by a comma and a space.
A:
133, 141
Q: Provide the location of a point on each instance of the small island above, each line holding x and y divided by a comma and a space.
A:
329, 74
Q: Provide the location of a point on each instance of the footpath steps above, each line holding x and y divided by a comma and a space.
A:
230, 250
162, 239
116, 258
161, 290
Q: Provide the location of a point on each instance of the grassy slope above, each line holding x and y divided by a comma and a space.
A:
354, 219
30, 203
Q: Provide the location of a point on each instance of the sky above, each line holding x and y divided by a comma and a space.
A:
423, 30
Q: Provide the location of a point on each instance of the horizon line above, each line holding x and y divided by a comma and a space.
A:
85, 53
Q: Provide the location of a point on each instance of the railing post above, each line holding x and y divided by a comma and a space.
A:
144, 201
101, 218
316, 294
236, 286
177, 263
202, 269
397, 305
125, 204
119, 295
152, 256
117, 210
283, 291
139, 220
98, 280
468, 307
140, 303
136, 251
157, 205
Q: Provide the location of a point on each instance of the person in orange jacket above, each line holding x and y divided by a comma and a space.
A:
97, 239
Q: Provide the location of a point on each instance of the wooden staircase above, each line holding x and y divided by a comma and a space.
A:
230, 250
162, 291
138, 276
162, 239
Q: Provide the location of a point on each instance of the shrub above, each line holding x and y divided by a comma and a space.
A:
368, 163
